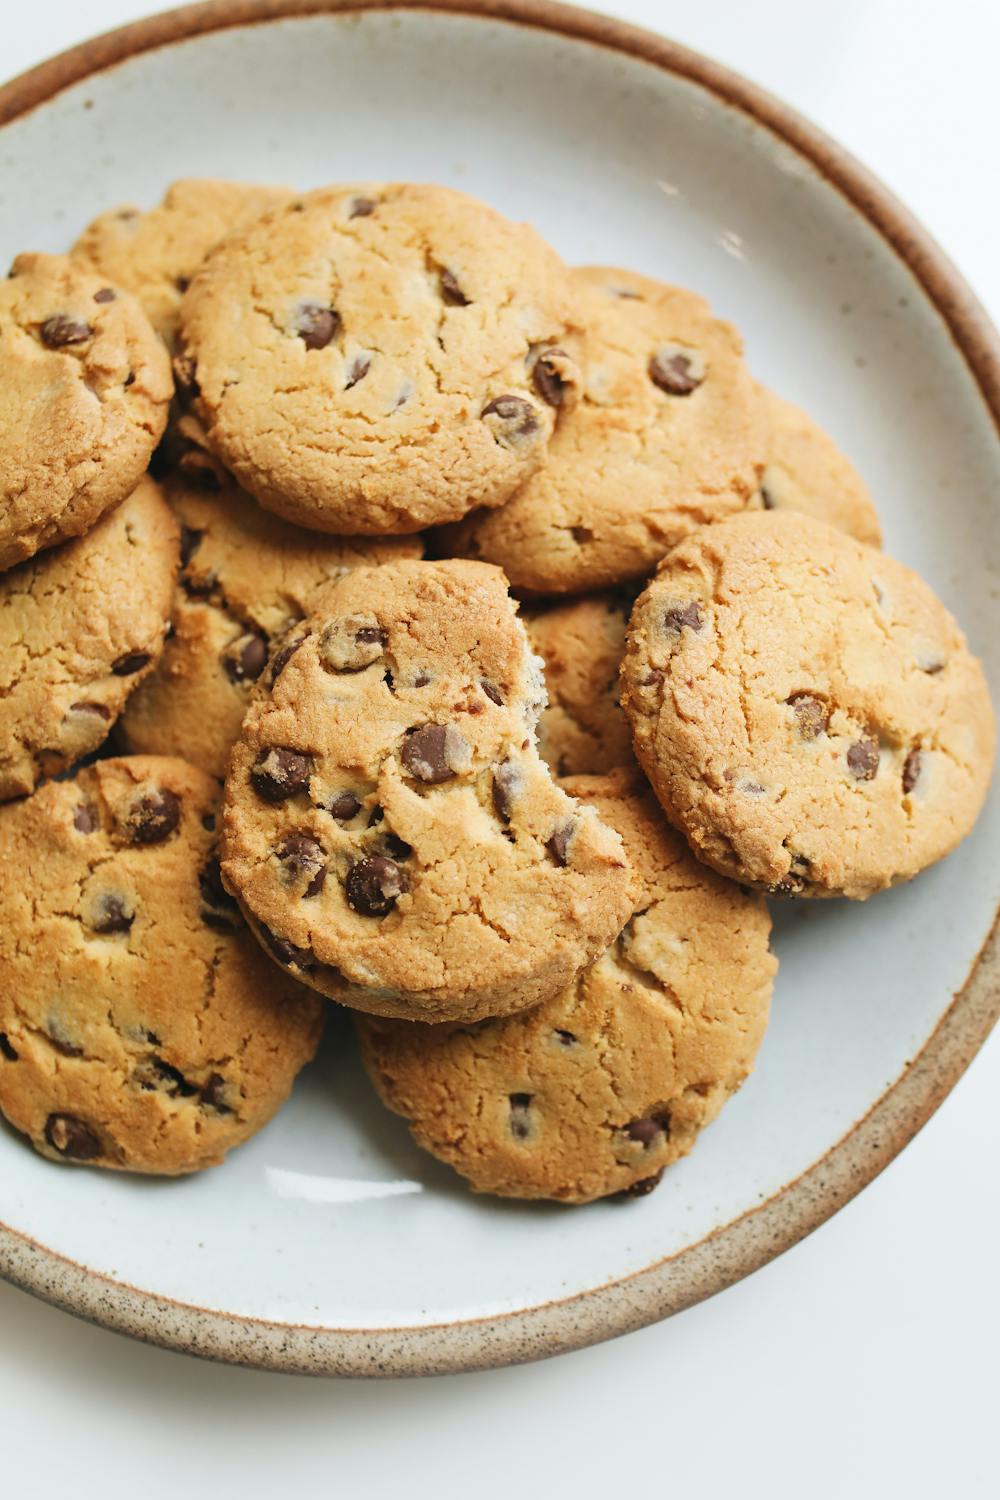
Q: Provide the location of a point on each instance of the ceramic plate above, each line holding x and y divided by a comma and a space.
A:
329, 1243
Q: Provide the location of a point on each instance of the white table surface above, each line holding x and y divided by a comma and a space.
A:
862, 1363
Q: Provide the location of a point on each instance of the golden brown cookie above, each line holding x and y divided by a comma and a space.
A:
84, 389
809, 714
80, 626
155, 254
141, 1028
389, 825
582, 730
669, 434
378, 359
599, 1089
247, 577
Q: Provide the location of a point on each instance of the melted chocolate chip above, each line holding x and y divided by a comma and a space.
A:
86, 818
154, 816
425, 754
60, 331
680, 615
547, 377
912, 767
287, 952
644, 1186
517, 419
316, 326
130, 663
246, 658
111, 914
558, 844
675, 371
357, 370
374, 885
7, 1048
451, 292
506, 781
106, 294
863, 759
72, 1138
492, 692
343, 807
351, 644
811, 715
280, 773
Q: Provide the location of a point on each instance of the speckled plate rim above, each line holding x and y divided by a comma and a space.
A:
742, 1246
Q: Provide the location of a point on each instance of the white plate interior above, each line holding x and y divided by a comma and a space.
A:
332, 1217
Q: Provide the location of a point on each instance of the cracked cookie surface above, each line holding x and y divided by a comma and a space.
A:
80, 626
247, 577
806, 709
379, 358
582, 730
84, 389
807, 472
141, 1028
599, 1089
669, 434
155, 253
389, 825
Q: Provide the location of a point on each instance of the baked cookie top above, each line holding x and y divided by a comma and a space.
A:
669, 434
247, 577
806, 709
389, 825
84, 389
582, 730
80, 626
599, 1089
141, 1028
376, 359
807, 472
156, 253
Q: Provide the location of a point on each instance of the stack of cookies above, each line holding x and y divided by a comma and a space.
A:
396, 617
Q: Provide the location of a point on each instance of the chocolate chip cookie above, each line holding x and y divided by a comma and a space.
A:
80, 626
582, 730
246, 579
807, 711
377, 359
669, 434
141, 1028
84, 389
389, 826
156, 253
806, 471
599, 1089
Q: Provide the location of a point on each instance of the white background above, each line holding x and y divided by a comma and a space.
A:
864, 1362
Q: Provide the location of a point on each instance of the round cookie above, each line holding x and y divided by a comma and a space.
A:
378, 359
80, 626
599, 1089
84, 389
669, 434
807, 711
141, 1028
389, 825
156, 254
582, 730
247, 578
807, 472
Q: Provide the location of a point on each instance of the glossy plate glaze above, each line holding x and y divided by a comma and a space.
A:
329, 1244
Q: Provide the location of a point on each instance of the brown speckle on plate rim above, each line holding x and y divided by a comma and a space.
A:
738, 1248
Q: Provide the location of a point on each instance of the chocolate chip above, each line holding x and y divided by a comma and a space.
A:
425, 753
647, 1129
390, 682
863, 759
211, 1094
129, 379
287, 952
517, 420
61, 330
520, 1120
182, 283
374, 885
351, 644
208, 822
548, 379
375, 816
85, 818
283, 656
303, 858
493, 693
246, 658
157, 1075
676, 371
357, 370
130, 663
281, 772
7, 1049
343, 807
766, 498
316, 326
912, 766
72, 1138
558, 844
681, 615
92, 710
111, 914
154, 816
361, 208
190, 542
644, 1186
396, 847
811, 715
506, 783
106, 294
566, 1038
221, 913
451, 292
